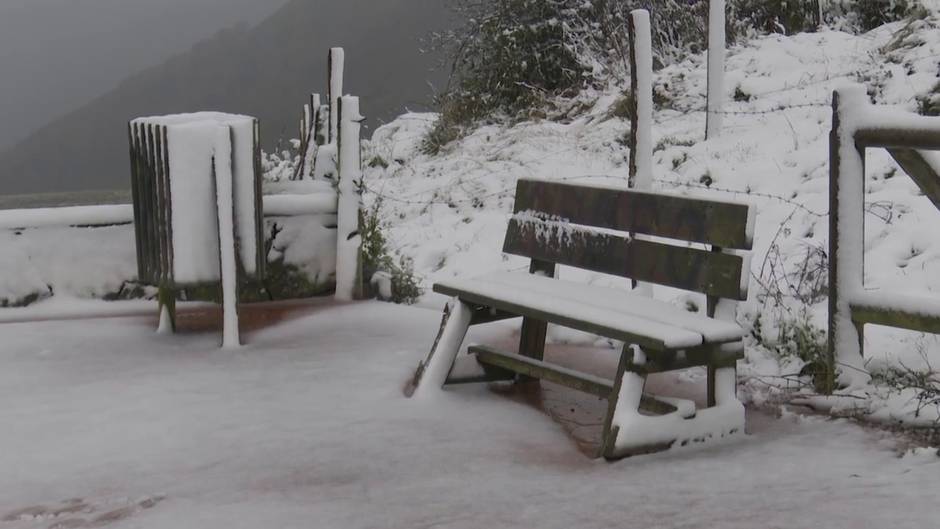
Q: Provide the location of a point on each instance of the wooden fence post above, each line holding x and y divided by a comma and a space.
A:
349, 240
641, 104
336, 61
641, 111
716, 67
846, 237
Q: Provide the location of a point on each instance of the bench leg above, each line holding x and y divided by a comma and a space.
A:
431, 374
722, 385
167, 299
624, 399
532, 342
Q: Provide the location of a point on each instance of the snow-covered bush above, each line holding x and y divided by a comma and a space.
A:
390, 279
510, 55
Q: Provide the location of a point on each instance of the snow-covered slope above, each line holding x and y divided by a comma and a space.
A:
449, 212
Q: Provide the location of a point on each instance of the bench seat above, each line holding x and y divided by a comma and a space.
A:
613, 313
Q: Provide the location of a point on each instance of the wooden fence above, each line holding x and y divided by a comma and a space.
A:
323, 131
857, 126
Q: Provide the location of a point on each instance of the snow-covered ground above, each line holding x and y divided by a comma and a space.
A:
449, 212
306, 426
111, 425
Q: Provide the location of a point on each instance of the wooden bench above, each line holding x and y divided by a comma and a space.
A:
589, 228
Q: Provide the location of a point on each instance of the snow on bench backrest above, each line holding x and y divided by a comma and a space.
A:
573, 225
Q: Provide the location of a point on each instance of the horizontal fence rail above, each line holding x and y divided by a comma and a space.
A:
289, 205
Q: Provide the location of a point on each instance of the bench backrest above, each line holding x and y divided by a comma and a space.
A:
577, 225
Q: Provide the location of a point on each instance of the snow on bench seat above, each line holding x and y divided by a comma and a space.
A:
618, 313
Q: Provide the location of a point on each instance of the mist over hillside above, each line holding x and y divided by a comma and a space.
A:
265, 71
57, 55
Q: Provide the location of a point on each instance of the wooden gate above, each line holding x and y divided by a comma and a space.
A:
858, 125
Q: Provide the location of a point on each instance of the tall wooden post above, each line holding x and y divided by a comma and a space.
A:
336, 62
716, 67
349, 240
846, 238
641, 104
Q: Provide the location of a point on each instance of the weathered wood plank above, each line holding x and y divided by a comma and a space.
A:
136, 197
704, 221
534, 331
523, 365
714, 355
911, 320
897, 138
915, 165
573, 323
715, 274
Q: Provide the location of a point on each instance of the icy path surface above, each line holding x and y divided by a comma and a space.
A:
105, 422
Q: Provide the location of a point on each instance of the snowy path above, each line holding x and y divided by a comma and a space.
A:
306, 427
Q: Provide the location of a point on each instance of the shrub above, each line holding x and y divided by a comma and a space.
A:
510, 55
380, 268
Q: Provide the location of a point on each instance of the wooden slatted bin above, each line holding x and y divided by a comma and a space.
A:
175, 163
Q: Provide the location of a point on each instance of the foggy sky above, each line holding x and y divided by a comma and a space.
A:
265, 70
56, 55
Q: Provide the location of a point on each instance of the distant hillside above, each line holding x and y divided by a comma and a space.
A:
264, 71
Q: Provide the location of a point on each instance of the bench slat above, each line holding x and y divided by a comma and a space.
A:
594, 385
601, 320
724, 224
621, 302
711, 273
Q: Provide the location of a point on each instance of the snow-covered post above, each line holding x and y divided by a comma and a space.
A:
228, 251
308, 138
641, 110
641, 106
846, 237
336, 61
716, 67
349, 240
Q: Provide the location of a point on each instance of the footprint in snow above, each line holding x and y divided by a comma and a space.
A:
68, 514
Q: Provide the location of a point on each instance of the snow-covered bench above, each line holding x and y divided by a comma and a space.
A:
588, 227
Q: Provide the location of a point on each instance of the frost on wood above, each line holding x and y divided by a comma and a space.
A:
637, 432
349, 240
191, 145
224, 191
433, 372
716, 67
642, 157
848, 239
337, 59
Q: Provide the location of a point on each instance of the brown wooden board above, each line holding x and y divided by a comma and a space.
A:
564, 320
162, 199
533, 368
260, 257
703, 221
923, 174
168, 210
895, 138
135, 194
533, 333
715, 274
894, 318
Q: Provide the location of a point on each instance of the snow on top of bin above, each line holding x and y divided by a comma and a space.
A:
192, 144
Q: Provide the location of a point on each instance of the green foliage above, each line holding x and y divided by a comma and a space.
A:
378, 161
741, 96
929, 103
622, 108
925, 382
797, 337
378, 262
872, 13
511, 55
